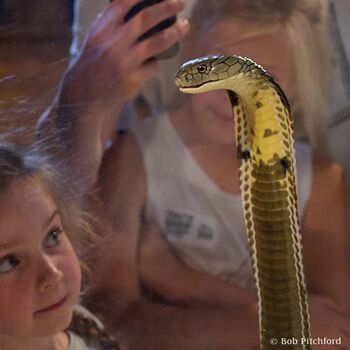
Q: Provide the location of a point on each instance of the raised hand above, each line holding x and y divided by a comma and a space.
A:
113, 65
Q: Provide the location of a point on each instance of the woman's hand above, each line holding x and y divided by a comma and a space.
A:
329, 321
159, 266
163, 271
113, 65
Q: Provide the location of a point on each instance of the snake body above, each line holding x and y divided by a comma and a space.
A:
267, 171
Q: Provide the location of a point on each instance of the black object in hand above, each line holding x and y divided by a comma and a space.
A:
173, 50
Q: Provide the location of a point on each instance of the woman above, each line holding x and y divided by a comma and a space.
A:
179, 171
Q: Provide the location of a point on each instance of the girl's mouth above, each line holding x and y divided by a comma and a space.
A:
54, 306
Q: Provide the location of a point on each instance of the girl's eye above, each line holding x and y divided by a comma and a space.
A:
53, 237
8, 263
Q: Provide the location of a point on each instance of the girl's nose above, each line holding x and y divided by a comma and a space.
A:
49, 275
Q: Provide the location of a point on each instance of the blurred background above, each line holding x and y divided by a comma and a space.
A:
35, 37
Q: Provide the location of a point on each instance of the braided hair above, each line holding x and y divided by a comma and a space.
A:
88, 329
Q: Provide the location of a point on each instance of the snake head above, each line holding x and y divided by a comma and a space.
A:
235, 73
195, 75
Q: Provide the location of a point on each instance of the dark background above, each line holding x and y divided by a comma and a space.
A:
34, 50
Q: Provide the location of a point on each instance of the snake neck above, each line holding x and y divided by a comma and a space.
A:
265, 147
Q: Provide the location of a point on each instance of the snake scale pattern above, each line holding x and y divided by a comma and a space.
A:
267, 171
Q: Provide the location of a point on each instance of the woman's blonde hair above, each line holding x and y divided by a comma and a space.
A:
306, 25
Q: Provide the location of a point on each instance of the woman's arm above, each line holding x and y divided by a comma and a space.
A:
180, 284
326, 258
324, 230
109, 71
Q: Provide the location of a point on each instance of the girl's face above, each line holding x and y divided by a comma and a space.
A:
39, 271
212, 110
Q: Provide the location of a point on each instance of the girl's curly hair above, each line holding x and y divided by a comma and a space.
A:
19, 162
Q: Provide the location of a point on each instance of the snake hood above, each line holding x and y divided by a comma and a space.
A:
225, 72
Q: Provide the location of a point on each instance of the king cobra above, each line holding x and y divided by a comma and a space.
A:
267, 172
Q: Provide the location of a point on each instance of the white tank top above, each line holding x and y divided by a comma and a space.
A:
204, 224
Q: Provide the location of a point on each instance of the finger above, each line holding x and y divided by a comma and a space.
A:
336, 307
161, 41
121, 8
346, 331
149, 68
344, 341
152, 15
326, 301
147, 228
112, 17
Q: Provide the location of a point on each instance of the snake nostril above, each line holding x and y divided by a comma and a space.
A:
182, 78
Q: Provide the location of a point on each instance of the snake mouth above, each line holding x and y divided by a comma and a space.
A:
191, 87
185, 88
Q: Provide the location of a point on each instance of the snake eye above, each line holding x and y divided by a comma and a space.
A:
202, 69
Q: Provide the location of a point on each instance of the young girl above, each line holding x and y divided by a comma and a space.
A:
39, 271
